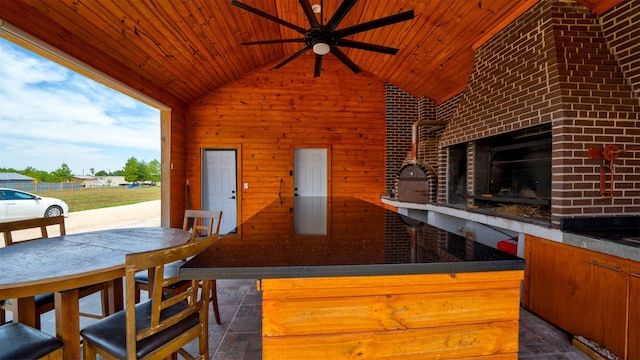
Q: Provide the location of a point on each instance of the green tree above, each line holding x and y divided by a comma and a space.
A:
143, 171
131, 170
102, 173
62, 174
92, 171
39, 175
155, 171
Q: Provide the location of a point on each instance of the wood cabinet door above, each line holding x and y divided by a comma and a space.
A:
634, 312
579, 291
556, 289
605, 310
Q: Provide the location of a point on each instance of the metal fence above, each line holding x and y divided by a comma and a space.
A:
42, 186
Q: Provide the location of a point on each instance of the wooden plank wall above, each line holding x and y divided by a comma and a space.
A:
173, 163
267, 114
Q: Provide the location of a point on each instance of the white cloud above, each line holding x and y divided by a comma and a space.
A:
75, 117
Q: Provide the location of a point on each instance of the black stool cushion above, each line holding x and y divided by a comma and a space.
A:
19, 341
110, 333
44, 299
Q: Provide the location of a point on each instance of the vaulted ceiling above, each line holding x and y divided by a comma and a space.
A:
188, 48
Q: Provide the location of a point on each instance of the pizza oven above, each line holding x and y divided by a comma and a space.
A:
417, 183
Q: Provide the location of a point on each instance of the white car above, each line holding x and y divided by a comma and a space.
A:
18, 205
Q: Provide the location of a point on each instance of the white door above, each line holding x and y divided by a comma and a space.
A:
310, 172
310, 182
219, 186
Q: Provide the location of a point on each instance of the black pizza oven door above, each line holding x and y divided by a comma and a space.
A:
413, 185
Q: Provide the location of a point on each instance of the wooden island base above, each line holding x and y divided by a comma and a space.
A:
427, 316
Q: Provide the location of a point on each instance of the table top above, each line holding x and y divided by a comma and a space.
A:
317, 237
75, 260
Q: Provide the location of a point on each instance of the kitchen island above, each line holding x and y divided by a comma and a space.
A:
344, 278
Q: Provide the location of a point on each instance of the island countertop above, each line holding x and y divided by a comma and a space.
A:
329, 237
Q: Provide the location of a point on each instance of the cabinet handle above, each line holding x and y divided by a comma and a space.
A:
634, 274
604, 266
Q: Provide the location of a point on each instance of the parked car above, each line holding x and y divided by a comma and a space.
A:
17, 205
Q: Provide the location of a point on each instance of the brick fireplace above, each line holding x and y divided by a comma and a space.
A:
557, 67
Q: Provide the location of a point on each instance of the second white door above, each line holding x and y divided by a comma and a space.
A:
310, 172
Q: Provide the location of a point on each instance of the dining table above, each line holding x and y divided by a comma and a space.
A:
63, 264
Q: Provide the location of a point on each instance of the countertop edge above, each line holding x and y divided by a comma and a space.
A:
273, 272
609, 247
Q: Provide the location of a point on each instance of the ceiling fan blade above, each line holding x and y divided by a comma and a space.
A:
373, 24
342, 57
311, 16
366, 46
318, 66
287, 60
268, 16
276, 41
342, 11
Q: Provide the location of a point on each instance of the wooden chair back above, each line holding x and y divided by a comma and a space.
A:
202, 222
8, 227
154, 262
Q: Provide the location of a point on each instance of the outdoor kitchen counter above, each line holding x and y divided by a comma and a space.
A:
342, 277
610, 235
617, 236
355, 238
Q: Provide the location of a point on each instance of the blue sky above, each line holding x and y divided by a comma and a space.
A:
51, 115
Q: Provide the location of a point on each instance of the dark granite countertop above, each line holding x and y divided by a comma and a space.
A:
623, 230
317, 237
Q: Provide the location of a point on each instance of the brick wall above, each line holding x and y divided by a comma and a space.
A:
621, 27
554, 65
512, 84
428, 142
401, 113
600, 108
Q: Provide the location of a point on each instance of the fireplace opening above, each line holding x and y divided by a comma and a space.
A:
514, 170
511, 173
457, 174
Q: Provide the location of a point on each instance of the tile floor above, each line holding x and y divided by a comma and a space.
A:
239, 336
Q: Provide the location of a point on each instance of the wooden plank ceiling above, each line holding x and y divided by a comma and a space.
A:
190, 47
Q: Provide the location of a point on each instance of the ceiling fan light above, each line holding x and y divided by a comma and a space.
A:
321, 48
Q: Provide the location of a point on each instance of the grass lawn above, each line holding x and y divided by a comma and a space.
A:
96, 198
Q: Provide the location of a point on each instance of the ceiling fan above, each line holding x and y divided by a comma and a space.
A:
324, 38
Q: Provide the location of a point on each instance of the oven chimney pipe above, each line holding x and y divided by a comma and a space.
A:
433, 127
